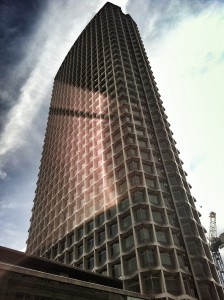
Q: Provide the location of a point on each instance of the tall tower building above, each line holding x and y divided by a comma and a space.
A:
112, 196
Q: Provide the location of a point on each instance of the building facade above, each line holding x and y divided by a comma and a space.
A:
112, 196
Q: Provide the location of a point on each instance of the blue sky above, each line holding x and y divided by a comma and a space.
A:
184, 41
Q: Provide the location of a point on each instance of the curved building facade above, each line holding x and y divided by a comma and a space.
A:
112, 196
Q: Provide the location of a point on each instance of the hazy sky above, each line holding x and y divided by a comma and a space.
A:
184, 40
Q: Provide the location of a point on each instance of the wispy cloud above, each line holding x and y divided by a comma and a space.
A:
46, 49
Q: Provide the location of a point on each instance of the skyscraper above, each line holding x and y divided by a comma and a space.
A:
112, 196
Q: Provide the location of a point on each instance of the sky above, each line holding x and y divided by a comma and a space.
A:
184, 40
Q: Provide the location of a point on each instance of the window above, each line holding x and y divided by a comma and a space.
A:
140, 132
133, 165
80, 232
145, 155
135, 180
192, 247
143, 143
113, 229
111, 212
126, 221
90, 263
166, 259
174, 180
164, 185
120, 173
100, 219
118, 160
70, 256
101, 236
116, 271
128, 242
141, 215
150, 182
102, 256
138, 196
122, 187
123, 204
115, 249
133, 285
70, 240
157, 216
147, 168
90, 243
152, 284
129, 140
144, 235
110, 180
154, 199
172, 285
131, 265
131, 152
89, 226
147, 258
162, 237
138, 122
80, 250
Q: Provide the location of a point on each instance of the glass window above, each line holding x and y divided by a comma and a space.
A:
122, 187
126, 221
118, 159
80, 232
147, 168
102, 256
138, 196
80, 250
131, 152
141, 215
120, 173
133, 165
90, 243
70, 256
174, 180
110, 180
123, 204
172, 285
162, 237
115, 249
136, 180
89, 226
166, 259
145, 155
154, 199
101, 236
100, 219
143, 143
90, 263
129, 140
111, 212
70, 239
133, 285
116, 270
128, 242
147, 257
152, 284
144, 235
113, 229
157, 216
138, 122
131, 265
150, 182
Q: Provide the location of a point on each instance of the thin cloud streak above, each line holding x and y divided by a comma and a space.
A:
45, 52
